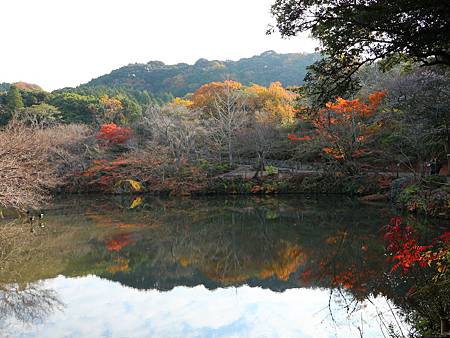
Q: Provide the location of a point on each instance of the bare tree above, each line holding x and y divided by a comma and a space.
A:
34, 161
227, 119
260, 138
176, 128
416, 109
29, 304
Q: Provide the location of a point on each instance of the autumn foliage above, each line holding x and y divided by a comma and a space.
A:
344, 128
205, 97
275, 101
118, 242
112, 134
27, 86
402, 243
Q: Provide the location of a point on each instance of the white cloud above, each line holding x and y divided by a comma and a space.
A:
100, 308
58, 43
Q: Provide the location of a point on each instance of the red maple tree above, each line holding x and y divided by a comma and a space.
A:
110, 133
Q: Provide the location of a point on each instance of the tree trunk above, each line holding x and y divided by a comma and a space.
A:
445, 329
260, 165
230, 154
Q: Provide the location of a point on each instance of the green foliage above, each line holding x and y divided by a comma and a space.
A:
430, 196
14, 99
76, 108
337, 183
33, 97
97, 105
354, 33
5, 117
178, 80
39, 115
271, 170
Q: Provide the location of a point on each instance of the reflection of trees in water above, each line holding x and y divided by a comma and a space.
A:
29, 304
277, 243
354, 276
421, 293
251, 240
15, 243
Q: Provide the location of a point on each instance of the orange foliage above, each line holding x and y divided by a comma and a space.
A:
122, 265
118, 242
290, 258
274, 101
205, 97
27, 86
343, 127
293, 137
112, 134
348, 108
184, 262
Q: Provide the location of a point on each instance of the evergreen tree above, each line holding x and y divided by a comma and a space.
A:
14, 99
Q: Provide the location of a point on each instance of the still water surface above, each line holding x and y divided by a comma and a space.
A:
215, 267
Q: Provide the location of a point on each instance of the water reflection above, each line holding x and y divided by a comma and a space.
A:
27, 304
307, 267
197, 312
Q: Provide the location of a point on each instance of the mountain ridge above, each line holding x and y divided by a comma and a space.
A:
182, 78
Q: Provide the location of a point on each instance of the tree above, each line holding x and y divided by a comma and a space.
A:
344, 128
32, 162
418, 103
111, 134
76, 107
175, 127
275, 101
205, 98
38, 116
356, 32
14, 99
260, 138
227, 117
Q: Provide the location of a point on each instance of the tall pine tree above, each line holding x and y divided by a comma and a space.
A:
14, 99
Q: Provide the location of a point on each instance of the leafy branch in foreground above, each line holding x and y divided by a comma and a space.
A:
355, 33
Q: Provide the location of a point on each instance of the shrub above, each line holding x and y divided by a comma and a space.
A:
110, 134
35, 161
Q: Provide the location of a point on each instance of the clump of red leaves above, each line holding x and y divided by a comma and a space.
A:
405, 251
110, 133
118, 242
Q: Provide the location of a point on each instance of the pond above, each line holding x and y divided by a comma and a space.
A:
208, 267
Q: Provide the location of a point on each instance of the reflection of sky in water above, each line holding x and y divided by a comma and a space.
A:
97, 307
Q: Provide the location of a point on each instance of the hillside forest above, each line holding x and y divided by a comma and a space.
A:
233, 137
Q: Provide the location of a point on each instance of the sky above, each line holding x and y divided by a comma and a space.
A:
60, 43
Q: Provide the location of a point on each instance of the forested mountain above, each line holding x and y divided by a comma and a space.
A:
131, 89
180, 79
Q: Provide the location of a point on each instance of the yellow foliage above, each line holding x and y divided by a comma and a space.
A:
136, 202
184, 262
287, 262
112, 107
135, 185
275, 101
178, 101
122, 265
